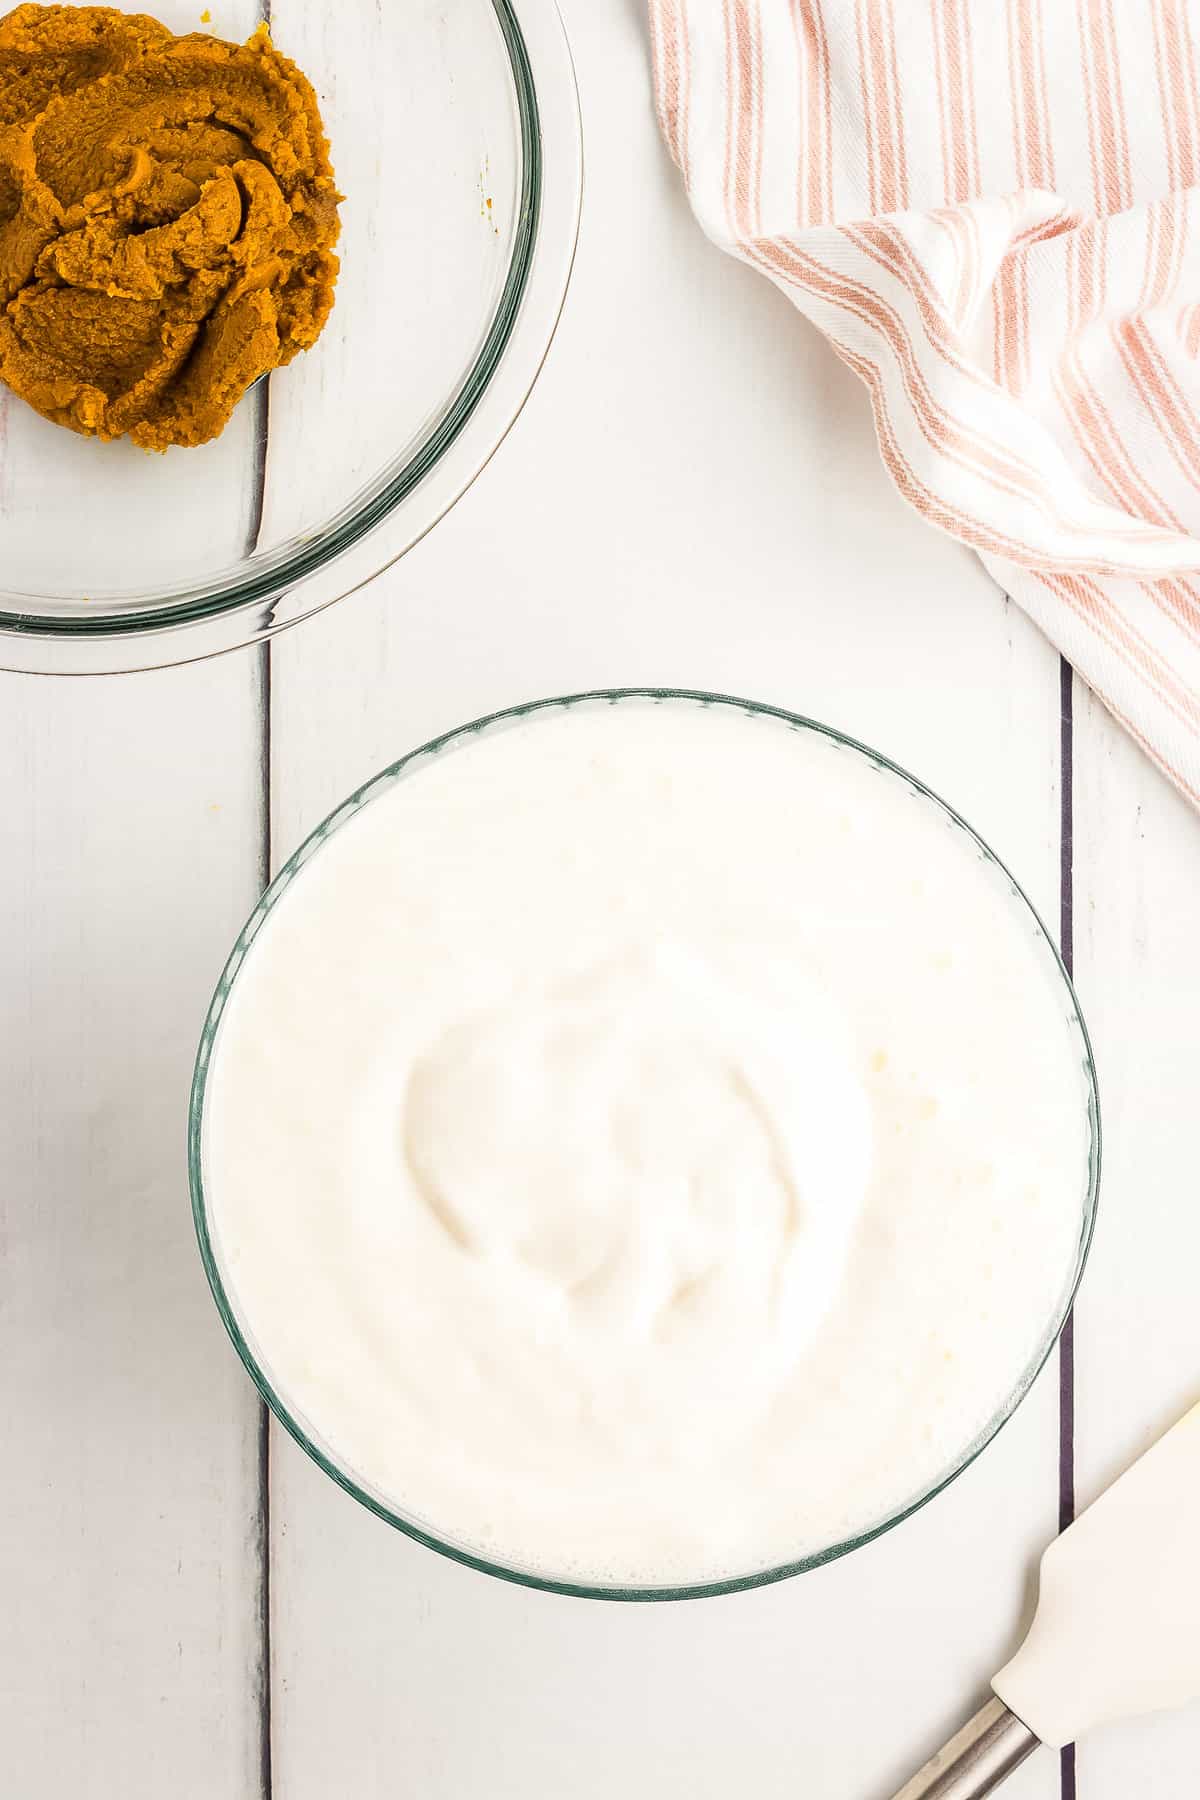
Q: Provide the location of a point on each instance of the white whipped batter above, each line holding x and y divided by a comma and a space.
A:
647, 1144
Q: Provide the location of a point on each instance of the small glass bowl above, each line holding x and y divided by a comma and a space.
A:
455, 138
307, 1436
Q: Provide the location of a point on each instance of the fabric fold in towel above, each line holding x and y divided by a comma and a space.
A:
992, 213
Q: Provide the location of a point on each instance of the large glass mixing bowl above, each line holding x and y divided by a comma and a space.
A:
455, 135
257, 1356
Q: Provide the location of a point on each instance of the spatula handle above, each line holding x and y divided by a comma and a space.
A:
976, 1760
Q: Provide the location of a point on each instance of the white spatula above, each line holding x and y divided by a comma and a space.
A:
1116, 1632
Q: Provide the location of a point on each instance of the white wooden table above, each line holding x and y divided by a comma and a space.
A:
190, 1609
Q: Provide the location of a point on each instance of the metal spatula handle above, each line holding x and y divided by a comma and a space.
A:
977, 1758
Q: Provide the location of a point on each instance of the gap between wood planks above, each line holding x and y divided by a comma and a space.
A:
1066, 933
261, 400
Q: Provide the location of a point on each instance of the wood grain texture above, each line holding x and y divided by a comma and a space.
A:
692, 496
1137, 1335
424, 87
128, 855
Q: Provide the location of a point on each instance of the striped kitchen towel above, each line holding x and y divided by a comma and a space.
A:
992, 211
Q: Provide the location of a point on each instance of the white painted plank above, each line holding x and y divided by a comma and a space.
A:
1137, 961
417, 102
129, 843
139, 522
694, 497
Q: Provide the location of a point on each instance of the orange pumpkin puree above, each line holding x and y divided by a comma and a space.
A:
167, 221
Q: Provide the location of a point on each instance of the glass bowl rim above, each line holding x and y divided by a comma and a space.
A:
225, 611
348, 809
